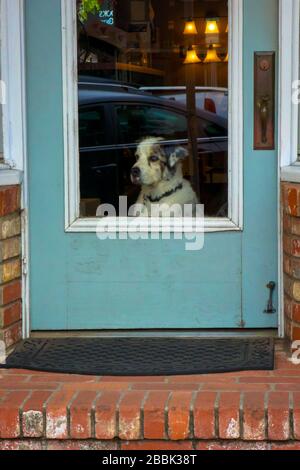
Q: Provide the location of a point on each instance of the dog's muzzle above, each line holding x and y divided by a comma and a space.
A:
135, 175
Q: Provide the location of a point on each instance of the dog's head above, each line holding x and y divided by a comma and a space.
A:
155, 162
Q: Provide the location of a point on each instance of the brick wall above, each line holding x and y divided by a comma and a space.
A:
291, 258
10, 266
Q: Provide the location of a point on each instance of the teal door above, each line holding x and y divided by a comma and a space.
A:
78, 282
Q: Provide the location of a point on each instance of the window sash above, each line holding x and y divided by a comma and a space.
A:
73, 222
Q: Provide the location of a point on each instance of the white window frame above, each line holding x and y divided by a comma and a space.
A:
73, 222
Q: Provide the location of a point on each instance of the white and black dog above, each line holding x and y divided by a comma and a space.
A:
158, 171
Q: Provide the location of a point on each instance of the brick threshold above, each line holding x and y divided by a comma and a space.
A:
249, 410
142, 445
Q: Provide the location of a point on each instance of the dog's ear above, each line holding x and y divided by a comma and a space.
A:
175, 155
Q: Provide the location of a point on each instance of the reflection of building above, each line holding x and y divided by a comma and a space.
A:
122, 50
107, 13
142, 42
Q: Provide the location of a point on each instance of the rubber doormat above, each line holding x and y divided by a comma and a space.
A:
143, 356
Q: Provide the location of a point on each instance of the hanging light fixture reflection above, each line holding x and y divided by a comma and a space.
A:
226, 58
212, 26
191, 56
211, 56
190, 27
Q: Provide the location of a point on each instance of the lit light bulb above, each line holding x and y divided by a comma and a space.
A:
190, 27
211, 56
211, 27
191, 56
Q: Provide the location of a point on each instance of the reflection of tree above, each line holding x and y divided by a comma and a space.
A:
83, 42
86, 7
88, 10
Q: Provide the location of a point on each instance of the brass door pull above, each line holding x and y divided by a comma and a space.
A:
264, 100
263, 106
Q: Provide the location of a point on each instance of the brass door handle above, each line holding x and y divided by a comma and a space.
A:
263, 106
264, 101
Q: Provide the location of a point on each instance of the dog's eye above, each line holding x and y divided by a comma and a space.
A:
153, 158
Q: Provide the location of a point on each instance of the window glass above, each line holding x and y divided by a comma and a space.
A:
211, 129
92, 127
134, 121
159, 69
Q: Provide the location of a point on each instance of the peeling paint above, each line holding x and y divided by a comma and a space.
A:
33, 423
233, 431
57, 426
130, 429
79, 429
240, 446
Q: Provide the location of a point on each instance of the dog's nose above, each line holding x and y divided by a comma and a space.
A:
135, 172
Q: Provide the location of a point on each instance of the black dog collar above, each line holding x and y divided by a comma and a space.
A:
167, 194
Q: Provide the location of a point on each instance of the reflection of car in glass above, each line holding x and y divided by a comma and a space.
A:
214, 100
114, 117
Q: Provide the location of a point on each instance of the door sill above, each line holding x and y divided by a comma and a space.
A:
271, 333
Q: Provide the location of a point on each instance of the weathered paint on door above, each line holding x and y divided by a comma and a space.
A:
79, 282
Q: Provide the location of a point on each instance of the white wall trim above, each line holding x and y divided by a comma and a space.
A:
291, 173
14, 123
288, 114
13, 74
71, 147
10, 177
289, 17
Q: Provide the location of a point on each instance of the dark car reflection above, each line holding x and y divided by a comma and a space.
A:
113, 117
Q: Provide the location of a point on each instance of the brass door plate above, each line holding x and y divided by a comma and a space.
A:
264, 100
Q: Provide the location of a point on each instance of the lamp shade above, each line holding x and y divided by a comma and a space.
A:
211, 56
191, 57
212, 26
190, 27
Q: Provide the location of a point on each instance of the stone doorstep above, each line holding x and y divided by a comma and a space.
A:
246, 408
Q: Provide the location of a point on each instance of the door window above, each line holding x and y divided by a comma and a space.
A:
161, 68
